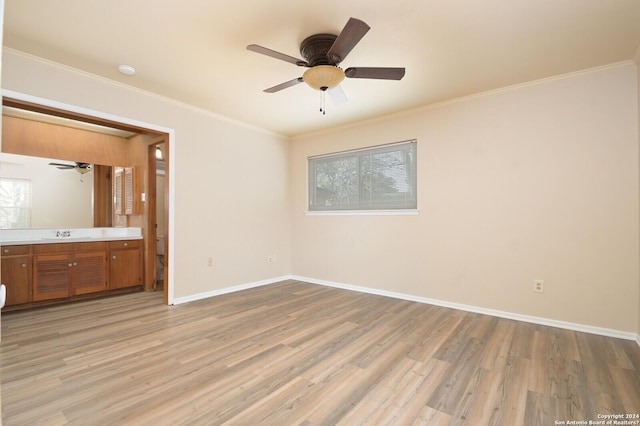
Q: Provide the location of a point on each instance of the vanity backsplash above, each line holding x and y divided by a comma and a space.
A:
43, 236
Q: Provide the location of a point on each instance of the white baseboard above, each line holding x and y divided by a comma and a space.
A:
205, 295
470, 308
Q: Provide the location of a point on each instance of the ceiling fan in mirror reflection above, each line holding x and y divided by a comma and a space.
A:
79, 167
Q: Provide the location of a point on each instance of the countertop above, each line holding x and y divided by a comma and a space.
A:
13, 237
66, 240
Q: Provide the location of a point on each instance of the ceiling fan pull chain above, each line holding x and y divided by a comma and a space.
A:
323, 108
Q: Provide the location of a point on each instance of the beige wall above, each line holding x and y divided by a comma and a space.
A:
534, 182
232, 199
637, 61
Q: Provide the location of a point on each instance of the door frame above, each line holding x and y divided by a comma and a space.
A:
38, 104
152, 218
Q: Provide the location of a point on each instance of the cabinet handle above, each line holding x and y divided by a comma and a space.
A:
114, 257
75, 263
70, 265
126, 244
24, 265
5, 251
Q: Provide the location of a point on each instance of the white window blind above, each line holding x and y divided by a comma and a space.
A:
15, 203
376, 178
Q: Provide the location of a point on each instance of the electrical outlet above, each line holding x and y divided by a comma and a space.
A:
538, 286
210, 261
272, 258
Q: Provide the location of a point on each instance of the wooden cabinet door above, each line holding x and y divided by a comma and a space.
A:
125, 268
15, 275
130, 191
118, 187
51, 276
89, 272
125, 190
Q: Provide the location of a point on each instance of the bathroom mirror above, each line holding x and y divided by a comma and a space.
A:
35, 194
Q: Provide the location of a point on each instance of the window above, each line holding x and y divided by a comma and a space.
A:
15, 203
377, 178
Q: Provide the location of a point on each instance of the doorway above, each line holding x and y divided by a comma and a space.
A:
152, 136
158, 197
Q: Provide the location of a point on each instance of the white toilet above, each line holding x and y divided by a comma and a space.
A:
3, 299
3, 295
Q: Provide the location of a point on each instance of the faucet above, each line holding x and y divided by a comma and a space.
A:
63, 233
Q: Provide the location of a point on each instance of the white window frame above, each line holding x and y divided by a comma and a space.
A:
408, 206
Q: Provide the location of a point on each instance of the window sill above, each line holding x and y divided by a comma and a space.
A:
393, 212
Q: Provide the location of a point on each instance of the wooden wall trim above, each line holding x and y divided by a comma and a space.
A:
28, 137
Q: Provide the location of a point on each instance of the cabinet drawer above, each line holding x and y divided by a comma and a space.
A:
68, 247
15, 250
125, 244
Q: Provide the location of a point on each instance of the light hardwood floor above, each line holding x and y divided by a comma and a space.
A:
297, 353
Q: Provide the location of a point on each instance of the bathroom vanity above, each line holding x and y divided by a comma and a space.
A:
43, 265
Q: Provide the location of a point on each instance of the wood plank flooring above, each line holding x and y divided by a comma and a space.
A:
300, 354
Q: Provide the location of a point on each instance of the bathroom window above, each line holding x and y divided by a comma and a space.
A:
370, 179
15, 203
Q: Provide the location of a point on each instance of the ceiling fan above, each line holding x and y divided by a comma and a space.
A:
78, 166
323, 54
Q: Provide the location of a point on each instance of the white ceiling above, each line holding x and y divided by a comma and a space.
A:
195, 50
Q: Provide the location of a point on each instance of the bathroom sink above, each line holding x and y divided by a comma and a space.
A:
67, 239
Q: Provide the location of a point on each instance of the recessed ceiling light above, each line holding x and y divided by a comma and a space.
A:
127, 69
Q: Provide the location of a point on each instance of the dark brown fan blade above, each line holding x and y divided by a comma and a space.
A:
351, 34
378, 73
277, 55
283, 85
62, 166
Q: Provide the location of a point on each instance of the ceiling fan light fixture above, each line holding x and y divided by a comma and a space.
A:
323, 77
